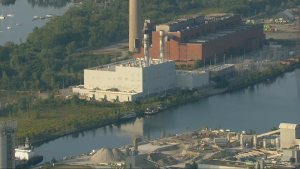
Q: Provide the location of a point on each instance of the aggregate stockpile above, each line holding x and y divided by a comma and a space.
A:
108, 155
162, 159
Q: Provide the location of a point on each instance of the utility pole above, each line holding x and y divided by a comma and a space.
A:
215, 59
244, 53
204, 62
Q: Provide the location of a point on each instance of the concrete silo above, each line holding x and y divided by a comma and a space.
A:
7, 144
135, 25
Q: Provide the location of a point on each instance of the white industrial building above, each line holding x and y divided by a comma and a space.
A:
289, 135
191, 79
133, 79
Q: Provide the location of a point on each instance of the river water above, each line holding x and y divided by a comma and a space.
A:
24, 11
258, 107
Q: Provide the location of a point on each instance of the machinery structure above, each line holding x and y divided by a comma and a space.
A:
7, 143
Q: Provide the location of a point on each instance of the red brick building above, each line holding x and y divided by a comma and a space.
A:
194, 38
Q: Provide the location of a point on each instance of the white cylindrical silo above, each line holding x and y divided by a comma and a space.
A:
242, 141
3, 151
135, 27
254, 140
264, 143
277, 142
162, 46
146, 49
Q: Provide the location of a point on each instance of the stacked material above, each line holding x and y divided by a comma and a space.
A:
108, 155
162, 159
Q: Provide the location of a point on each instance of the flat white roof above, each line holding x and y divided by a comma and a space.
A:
183, 72
136, 62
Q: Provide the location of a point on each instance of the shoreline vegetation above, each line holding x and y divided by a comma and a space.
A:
48, 60
185, 97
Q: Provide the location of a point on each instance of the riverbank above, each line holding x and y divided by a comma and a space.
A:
188, 99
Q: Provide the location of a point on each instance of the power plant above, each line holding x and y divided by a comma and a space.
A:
199, 38
7, 143
135, 25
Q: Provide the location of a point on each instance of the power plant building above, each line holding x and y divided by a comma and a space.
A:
7, 144
134, 79
199, 37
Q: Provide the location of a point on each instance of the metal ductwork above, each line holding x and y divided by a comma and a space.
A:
146, 49
162, 46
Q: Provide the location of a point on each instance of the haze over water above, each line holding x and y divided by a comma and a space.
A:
258, 107
23, 14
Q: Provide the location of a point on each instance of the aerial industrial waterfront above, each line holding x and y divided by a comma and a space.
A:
160, 68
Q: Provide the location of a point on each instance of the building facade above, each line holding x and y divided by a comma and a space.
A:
7, 144
197, 38
289, 135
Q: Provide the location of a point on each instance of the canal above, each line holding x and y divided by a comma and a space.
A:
257, 107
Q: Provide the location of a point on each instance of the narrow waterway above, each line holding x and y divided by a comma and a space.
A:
258, 107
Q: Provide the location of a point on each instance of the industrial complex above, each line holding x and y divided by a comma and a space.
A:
199, 38
206, 148
134, 79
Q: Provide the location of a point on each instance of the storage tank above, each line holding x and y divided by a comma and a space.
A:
264, 143
278, 143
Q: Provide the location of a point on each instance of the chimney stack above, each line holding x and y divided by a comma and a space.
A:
135, 25
162, 46
146, 49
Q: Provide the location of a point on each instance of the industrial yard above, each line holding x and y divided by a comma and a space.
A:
206, 148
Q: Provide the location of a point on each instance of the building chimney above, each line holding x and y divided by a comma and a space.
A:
162, 46
146, 49
135, 25
135, 145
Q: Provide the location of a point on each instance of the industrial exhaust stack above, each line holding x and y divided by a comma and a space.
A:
162, 46
135, 25
146, 49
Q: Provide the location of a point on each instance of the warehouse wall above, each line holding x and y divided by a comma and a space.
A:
288, 138
124, 78
237, 40
158, 78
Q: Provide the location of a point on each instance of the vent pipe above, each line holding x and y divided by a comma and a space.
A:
146, 49
162, 46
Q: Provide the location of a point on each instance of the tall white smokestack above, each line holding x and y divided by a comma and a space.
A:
146, 49
135, 25
162, 46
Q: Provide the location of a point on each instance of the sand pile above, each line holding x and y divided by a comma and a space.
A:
162, 159
167, 161
108, 155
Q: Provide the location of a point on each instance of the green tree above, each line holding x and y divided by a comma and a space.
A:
53, 160
268, 8
71, 48
273, 128
282, 5
219, 127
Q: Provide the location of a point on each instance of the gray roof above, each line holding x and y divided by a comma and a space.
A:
290, 15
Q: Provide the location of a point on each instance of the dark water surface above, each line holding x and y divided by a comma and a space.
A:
258, 107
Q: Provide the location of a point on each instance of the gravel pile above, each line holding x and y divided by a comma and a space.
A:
108, 155
162, 159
